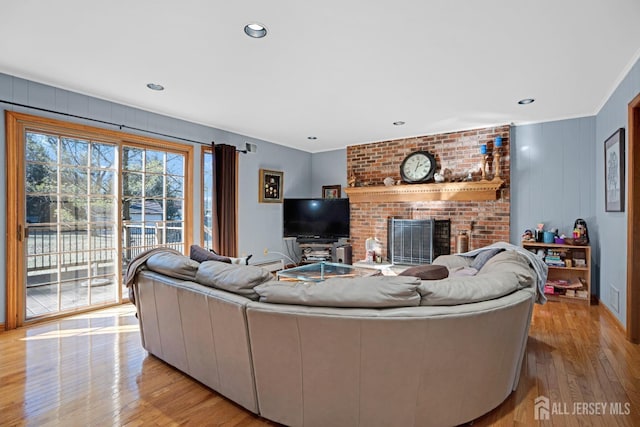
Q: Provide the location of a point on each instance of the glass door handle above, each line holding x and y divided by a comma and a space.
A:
23, 232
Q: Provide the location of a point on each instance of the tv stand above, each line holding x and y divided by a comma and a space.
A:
315, 251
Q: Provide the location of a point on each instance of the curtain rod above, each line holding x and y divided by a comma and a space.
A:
104, 122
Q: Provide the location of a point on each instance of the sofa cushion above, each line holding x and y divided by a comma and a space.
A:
463, 271
463, 290
427, 272
173, 265
378, 291
200, 254
452, 262
239, 279
514, 262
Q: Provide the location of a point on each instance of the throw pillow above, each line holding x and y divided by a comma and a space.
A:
173, 265
375, 292
427, 272
483, 257
200, 254
239, 279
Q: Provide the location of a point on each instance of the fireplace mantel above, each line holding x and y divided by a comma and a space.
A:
458, 191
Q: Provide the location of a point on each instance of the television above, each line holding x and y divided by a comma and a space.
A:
316, 219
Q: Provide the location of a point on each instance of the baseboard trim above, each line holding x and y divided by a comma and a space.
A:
607, 312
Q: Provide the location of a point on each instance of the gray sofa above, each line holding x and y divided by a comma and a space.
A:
447, 357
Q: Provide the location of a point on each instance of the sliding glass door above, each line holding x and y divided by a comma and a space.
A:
71, 217
153, 201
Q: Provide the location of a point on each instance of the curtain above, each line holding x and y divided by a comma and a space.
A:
224, 218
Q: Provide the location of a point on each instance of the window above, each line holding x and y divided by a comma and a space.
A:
207, 202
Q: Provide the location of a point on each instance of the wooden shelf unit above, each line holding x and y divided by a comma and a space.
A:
568, 273
468, 191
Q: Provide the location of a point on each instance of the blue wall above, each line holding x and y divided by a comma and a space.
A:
552, 180
613, 225
328, 168
549, 178
260, 224
557, 175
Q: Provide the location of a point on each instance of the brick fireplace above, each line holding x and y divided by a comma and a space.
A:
486, 221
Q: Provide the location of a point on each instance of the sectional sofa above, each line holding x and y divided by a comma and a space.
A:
374, 351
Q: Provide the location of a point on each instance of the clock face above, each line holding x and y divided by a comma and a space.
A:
418, 167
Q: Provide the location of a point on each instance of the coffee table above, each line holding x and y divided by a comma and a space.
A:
319, 271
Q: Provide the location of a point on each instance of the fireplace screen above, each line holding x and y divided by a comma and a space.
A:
417, 241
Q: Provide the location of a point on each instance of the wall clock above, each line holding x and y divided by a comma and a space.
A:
418, 167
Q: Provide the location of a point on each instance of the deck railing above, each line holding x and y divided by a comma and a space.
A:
48, 248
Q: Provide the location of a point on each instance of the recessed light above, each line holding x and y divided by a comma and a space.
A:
312, 138
398, 123
255, 30
155, 86
526, 101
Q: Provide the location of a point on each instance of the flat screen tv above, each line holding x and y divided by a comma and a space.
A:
322, 219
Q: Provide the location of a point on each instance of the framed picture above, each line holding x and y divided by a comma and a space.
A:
271, 186
331, 191
614, 172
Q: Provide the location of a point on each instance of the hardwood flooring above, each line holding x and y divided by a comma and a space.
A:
90, 369
577, 357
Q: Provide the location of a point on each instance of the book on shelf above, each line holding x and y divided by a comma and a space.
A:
574, 283
579, 263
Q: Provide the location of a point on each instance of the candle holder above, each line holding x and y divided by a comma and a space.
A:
484, 167
497, 156
497, 145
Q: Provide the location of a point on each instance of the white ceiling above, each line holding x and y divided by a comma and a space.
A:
342, 71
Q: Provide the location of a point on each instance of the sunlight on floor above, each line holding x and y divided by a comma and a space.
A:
82, 332
88, 324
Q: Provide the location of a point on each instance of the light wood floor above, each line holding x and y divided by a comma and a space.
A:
92, 370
